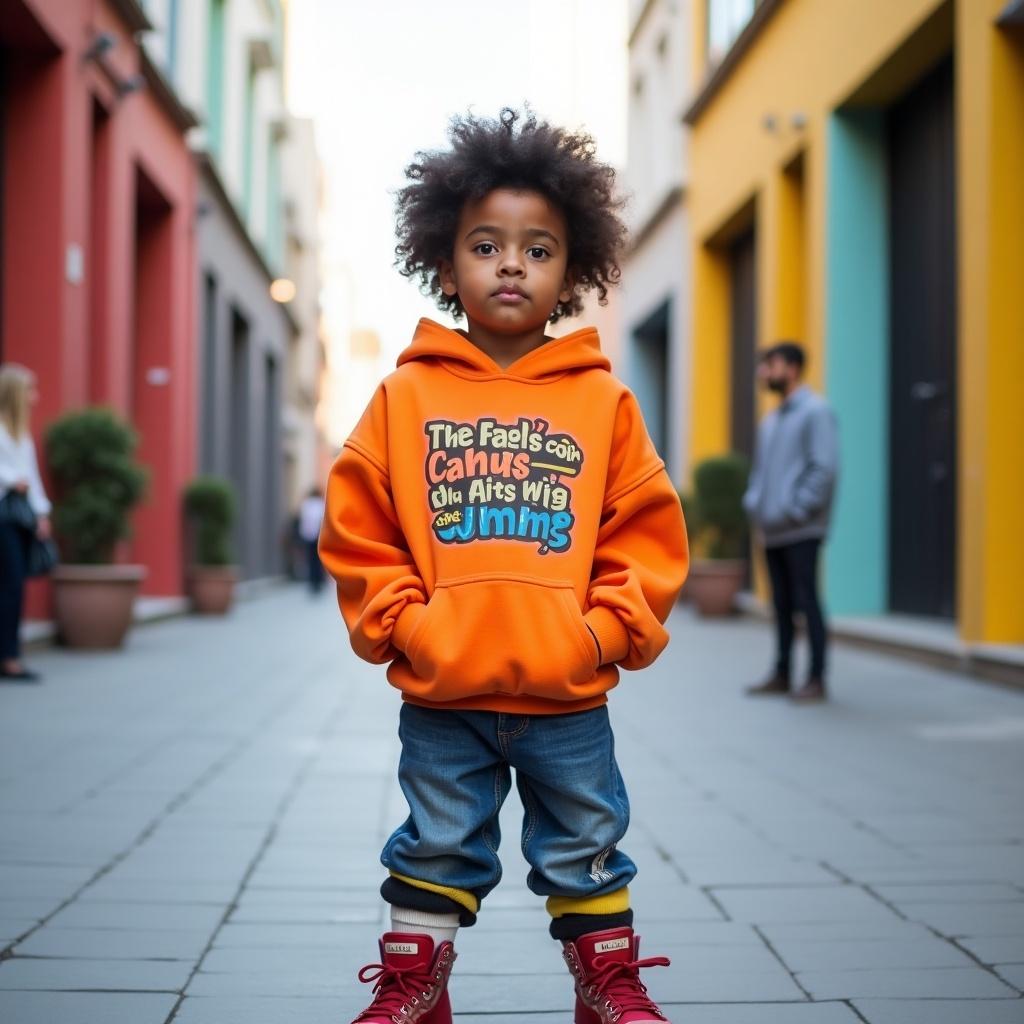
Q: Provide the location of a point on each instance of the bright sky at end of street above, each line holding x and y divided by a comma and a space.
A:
381, 81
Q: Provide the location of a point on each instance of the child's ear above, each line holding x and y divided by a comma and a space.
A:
568, 285
446, 275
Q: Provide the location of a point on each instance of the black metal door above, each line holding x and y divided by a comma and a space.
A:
922, 400
743, 298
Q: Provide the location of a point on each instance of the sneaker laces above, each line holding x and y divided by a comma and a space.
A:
396, 988
620, 980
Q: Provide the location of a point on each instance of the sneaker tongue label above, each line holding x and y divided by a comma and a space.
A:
402, 947
610, 945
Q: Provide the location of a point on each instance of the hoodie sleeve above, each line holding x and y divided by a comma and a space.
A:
362, 546
642, 554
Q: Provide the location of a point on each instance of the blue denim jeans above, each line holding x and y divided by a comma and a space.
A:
455, 771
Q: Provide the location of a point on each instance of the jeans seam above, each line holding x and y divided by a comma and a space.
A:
532, 818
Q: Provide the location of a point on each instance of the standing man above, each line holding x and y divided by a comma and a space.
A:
789, 500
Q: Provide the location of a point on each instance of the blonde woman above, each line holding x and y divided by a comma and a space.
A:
19, 472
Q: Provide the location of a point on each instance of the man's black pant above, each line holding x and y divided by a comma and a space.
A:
793, 569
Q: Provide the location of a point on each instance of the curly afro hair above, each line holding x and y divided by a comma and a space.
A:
515, 151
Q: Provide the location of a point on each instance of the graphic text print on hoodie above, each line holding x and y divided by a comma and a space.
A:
504, 538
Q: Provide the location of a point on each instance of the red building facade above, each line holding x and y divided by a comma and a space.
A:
97, 267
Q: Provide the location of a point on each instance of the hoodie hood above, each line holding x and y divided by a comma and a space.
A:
580, 350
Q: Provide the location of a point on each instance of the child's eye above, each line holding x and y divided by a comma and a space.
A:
485, 248
538, 252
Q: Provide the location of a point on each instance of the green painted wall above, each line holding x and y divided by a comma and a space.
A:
857, 347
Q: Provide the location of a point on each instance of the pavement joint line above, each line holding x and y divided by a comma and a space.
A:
178, 801
775, 953
948, 939
707, 890
301, 773
853, 1009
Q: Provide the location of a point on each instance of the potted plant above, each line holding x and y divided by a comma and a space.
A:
718, 573
97, 482
211, 578
692, 527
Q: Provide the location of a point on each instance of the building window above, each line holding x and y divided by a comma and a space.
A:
726, 20
172, 38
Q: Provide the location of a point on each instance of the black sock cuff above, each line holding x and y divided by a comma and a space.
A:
569, 927
402, 894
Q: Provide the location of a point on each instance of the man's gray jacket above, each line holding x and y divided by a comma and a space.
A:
796, 462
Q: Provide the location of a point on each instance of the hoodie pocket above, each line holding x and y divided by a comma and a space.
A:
504, 634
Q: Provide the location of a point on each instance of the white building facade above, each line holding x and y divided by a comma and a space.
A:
655, 294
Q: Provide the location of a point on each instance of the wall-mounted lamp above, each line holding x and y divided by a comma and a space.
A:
798, 121
770, 123
282, 290
101, 43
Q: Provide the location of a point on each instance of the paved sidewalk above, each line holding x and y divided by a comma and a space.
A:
189, 831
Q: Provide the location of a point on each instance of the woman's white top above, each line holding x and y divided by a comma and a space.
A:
311, 516
17, 463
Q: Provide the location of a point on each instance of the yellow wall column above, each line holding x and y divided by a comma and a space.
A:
990, 164
710, 390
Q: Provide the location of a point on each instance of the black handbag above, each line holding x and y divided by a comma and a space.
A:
40, 555
16, 510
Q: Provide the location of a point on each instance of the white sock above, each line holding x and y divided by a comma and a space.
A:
440, 927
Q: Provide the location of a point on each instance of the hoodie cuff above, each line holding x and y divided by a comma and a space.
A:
406, 623
610, 632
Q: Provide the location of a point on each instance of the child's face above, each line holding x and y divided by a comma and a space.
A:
509, 262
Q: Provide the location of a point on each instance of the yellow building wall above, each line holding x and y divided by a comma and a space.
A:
811, 57
990, 173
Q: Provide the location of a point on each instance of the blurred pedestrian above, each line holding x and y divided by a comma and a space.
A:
789, 500
311, 516
24, 510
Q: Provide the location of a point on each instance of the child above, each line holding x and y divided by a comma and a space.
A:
504, 536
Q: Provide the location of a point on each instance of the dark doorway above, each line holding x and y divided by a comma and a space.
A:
239, 446
652, 380
743, 338
922, 399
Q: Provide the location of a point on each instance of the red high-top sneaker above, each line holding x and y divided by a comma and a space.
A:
607, 973
411, 981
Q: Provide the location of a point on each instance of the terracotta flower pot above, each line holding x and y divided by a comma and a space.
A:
93, 603
212, 588
714, 584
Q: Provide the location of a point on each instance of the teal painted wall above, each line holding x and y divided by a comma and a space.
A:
215, 58
857, 347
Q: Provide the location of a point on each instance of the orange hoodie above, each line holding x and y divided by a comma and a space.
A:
504, 538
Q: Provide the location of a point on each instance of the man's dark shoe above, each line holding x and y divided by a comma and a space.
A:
813, 690
22, 675
775, 685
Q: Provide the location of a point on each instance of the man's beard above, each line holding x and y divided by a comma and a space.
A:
776, 384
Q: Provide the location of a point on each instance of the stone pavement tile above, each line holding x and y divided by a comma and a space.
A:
82, 975
293, 980
1012, 973
117, 889
924, 951
732, 1013
256, 1010
304, 913
801, 904
928, 983
941, 1011
964, 892
970, 919
996, 949
751, 870
698, 933
144, 916
525, 994
85, 1007
893, 930
679, 903
679, 984
315, 936
110, 944
30, 880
